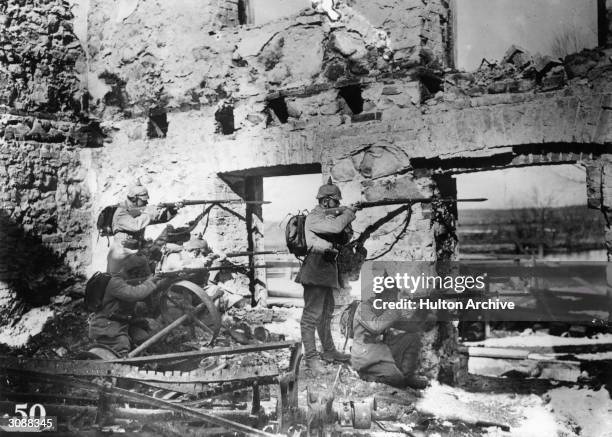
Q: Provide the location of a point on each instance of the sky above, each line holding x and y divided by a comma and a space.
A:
557, 185
290, 194
269, 10
486, 28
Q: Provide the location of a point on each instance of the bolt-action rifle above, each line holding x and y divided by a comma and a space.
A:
212, 202
186, 272
413, 200
401, 201
250, 253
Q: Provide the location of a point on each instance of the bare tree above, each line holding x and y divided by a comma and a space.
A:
569, 40
534, 226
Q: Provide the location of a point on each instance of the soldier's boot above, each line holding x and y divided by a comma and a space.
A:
312, 363
330, 353
416, 382
335, 356
315, 366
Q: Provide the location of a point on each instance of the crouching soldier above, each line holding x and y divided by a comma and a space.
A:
114, 325
324, 231
380, 353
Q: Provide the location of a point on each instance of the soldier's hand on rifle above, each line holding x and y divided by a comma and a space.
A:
172, 248
354, 207
178, 205
161, 281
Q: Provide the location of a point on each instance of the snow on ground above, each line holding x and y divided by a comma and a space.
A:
30, 324
589, 412
527, 415
540, 339
290, 328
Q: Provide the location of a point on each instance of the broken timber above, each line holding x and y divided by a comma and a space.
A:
501, 362
130, 396
75, 373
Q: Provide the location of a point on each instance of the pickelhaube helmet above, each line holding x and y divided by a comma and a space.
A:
137, 190
329, 190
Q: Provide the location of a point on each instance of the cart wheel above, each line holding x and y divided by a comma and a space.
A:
182, 297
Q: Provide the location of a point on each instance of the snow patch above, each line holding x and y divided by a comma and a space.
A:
525, 414
589, 410
30, 324
541, 339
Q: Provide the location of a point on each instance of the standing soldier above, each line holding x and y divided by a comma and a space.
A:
325, 230
129, 222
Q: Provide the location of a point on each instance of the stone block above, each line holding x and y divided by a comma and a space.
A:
381, 161
344, 170
392, 188
346, 43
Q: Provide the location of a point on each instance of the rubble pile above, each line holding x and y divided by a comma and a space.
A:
520, 71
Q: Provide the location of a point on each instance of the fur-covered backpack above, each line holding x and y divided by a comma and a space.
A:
95, 289
104, 224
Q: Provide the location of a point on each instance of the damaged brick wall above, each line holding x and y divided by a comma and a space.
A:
45, 217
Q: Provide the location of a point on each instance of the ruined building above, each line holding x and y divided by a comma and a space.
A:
94, 94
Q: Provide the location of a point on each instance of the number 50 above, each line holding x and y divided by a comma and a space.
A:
36, 408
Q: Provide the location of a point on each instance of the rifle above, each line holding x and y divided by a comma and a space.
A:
406, 201
212, 202
178, 273
262, 252
193, 271
412, 200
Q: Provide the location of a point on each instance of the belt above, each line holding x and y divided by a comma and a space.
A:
370, 339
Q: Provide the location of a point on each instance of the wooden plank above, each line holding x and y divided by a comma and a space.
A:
549, 369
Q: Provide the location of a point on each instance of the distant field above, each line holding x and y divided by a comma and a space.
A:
569, 228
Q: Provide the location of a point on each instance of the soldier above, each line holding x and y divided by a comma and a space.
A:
129, 223
381, 354
325, 231
115, 325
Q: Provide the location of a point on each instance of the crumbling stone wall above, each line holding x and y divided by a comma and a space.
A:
367, 97
45, 212
40, 58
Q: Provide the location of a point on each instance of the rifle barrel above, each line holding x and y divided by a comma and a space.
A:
214, 201
249, 253
415, 200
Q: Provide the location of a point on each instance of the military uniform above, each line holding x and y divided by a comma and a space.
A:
129, 224
113, 325
319, 276
380, 355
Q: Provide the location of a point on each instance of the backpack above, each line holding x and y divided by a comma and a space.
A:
105, 221
95, 289
295, 235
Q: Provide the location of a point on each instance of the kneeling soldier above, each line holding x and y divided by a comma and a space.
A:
115, 325
379, 353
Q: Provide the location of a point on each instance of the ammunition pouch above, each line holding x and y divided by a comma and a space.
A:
372, 339
330, 255
351, 259
120, 318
